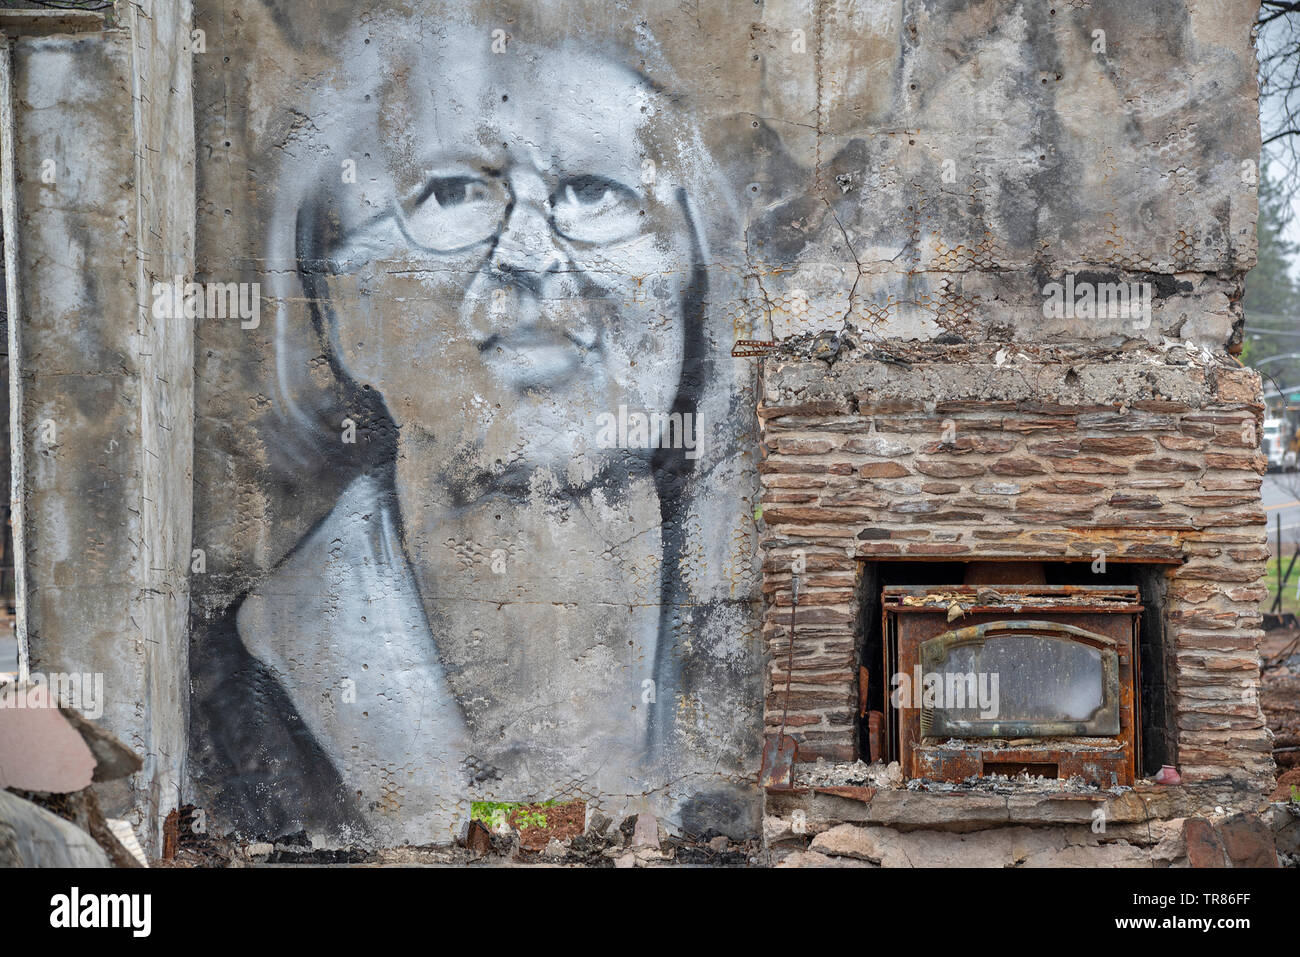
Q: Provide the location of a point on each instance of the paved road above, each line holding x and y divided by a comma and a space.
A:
1281, 493
8, 653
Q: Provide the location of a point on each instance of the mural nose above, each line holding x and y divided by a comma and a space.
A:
547, 302
526, 255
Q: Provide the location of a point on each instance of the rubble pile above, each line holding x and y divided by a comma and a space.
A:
51, 759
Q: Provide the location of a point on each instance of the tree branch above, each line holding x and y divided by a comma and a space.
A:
1279, 135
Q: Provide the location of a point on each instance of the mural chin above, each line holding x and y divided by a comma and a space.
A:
500, 436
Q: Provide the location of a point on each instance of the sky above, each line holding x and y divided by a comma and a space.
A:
1270, 114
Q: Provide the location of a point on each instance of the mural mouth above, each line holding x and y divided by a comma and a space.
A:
537, 358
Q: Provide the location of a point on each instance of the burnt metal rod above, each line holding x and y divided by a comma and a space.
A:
1286, 579
1276, 607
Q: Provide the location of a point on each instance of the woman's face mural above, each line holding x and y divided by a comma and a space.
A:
545, 250
493, 247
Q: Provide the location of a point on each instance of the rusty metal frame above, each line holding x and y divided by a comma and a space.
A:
745, 348
914, 614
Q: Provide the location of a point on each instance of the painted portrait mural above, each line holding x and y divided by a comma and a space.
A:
476, 500
492, 332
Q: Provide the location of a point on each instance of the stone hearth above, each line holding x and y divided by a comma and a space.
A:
957, 453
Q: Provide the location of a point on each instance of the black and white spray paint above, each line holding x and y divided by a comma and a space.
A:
513, 597
486, 231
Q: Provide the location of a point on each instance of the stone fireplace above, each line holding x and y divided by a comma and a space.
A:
904, 464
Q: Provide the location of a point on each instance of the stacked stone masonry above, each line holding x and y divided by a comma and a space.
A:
958, 453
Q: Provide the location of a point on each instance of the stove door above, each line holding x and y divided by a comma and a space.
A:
1020, 679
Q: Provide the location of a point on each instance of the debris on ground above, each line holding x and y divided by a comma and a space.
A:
51, 756
32, 836
601, 844
187, 842
1022, 783
823, 774
1279, 694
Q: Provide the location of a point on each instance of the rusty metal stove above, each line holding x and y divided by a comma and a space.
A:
1010, 678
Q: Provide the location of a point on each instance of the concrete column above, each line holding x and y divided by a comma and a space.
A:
104, 160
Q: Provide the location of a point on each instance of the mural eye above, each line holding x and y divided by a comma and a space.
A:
593, 209
449, 191
450, 213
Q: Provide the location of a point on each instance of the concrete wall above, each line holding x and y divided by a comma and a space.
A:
435, 559
479, 230
104, 160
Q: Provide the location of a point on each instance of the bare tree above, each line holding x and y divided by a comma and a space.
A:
1278, 44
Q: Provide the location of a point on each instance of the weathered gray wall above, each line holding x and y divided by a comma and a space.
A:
105, 163
469, 600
